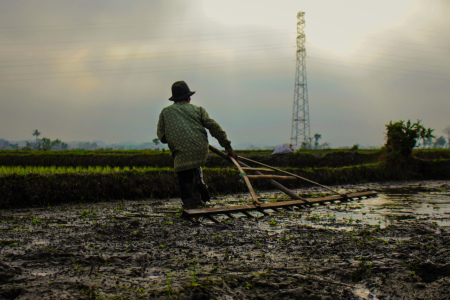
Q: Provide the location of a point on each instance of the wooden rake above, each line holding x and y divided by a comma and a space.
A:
198, 214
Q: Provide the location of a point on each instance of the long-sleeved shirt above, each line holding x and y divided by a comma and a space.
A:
182, 126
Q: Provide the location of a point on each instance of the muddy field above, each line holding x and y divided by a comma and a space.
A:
396, 247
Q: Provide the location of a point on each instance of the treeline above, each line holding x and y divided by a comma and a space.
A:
46, 144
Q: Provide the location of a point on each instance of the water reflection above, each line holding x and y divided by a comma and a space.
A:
399, 202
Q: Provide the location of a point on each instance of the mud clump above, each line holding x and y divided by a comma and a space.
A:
132, 251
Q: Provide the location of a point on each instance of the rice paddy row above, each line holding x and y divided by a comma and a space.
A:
29, 179
25, 170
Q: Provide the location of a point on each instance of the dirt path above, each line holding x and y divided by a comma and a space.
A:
127, 251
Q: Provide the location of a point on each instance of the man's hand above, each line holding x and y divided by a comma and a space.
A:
232, 154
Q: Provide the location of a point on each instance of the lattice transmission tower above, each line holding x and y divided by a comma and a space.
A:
300, 132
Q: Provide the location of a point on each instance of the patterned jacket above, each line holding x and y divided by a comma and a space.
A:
182, 126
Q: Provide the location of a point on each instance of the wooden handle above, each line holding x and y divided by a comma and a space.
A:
257, 169
299, 177
247, 181
270, 177
271, 181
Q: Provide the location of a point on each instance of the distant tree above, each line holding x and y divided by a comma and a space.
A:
36, 133
87, 146
4, 143
156, 142
14, 146
325, 146
252, 147
28, 146
439, 142
45, 144
447, 132
64, 146
55, 144
317, 137
427, 141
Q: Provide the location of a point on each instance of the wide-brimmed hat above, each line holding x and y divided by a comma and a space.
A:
180, 91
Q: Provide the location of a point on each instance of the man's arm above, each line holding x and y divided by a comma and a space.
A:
161, 132
217, 132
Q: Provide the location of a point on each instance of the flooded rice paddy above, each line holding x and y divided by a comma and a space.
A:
394, 246
396, 202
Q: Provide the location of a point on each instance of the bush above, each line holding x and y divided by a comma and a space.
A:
402, 138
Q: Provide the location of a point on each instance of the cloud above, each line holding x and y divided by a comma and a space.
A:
102, 70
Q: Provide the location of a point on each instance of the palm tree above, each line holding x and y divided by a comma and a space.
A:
317, 137
36, 133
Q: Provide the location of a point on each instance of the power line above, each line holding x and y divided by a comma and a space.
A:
145, 70
421, 31
132, 23
164, 22
404, 42
402, 60
176, 55
381, 69
217, 34
52, 62
390, 48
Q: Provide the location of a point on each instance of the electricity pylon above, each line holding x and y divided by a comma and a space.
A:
300, 132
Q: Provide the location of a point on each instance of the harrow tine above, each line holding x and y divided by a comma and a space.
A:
230, 216
247, 214
263, 212
212, 219
297, 201
275, 206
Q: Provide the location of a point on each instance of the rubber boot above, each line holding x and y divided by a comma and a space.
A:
202, 187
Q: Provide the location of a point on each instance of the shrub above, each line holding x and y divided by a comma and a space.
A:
402, 138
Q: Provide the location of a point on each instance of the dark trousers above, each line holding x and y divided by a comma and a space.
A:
193, 190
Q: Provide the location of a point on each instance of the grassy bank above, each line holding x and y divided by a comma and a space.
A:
41, 186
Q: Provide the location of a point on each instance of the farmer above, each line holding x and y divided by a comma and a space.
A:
182, 126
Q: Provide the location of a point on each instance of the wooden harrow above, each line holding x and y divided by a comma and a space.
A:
297, 201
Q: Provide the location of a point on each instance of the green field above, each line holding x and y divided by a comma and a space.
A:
24, 170
39, 178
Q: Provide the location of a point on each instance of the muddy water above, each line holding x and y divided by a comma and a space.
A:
396, 202
395, 246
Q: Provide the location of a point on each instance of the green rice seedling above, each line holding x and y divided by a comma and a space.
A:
77, 265
36, 221
169, 289
194, 273
273, 223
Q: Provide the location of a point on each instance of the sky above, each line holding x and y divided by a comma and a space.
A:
103, 70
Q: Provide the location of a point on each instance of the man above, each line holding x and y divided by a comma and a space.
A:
182, 126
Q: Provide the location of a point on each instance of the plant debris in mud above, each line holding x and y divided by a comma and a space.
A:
118, 251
